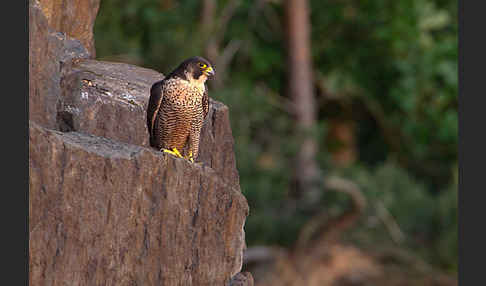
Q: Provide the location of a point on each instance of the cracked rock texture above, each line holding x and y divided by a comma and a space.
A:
104, 207
76, 18
49, 51
108, 213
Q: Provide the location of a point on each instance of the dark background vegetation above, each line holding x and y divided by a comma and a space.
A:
384, 89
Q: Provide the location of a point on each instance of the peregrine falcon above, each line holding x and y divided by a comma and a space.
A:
177, 107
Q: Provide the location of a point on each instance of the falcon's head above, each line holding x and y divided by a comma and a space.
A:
195, 68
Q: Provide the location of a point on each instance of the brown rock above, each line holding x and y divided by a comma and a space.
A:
107, 99
48, 52
217, 143
107, 213
76, 18
110, 100
103, 208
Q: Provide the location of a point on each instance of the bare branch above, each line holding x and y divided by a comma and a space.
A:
390, 223
207, 16
260, 254
227, 14
327, 231
223, 59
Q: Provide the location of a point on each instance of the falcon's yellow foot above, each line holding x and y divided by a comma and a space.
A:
189, 157
174, 152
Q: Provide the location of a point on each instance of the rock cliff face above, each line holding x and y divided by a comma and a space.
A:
49, 50
109, 213
104, 208
75, 18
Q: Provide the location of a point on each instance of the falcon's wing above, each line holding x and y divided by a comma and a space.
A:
205, 102
153, 107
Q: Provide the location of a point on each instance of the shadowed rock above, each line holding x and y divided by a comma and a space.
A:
49, 51
107, 213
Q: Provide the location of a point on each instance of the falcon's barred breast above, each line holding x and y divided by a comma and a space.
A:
177, 107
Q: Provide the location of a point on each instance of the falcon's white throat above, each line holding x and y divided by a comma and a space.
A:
199, 83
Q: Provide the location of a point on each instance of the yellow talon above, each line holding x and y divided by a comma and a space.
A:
174, 152
177, 153
190, 158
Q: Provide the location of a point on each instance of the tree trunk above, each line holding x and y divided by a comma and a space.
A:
207, 16
207, 28
301, 93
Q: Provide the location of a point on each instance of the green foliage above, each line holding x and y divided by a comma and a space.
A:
400, 194
427, 221
263, 161
446, 237
395, 61
146, 31
398, 57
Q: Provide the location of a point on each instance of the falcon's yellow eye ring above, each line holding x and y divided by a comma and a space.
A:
202, 65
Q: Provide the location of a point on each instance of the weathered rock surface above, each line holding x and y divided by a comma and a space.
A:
49, 51
76, 18
108, 213
110, 100
107, 99
104, 208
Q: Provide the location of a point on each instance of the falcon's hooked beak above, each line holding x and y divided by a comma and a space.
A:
209, 71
